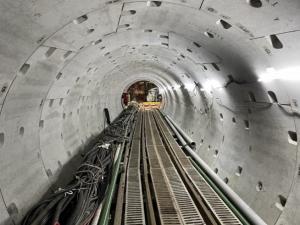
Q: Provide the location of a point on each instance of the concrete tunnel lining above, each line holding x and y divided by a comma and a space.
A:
63, 62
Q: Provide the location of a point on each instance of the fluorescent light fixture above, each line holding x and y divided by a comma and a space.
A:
288, 74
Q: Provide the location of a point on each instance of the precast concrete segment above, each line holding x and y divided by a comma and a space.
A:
64, 61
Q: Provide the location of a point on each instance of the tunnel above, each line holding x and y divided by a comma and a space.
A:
228, 72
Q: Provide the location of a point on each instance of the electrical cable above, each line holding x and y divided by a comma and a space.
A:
77, 203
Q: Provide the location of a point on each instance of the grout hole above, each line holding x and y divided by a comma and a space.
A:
41, 123
80, 19
77, 79
50, 51
1, 139
224, 24
165, 44
259, 186
255, 3
208, 34
226, 180
246, 122
58, 76
61, 101
216, 66
189, 50
251, 96
292, 137
216, 170
239, 171
276, 43
25, 67
21, 131
273, 96
148, 31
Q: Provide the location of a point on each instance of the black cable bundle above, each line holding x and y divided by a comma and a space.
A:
77, 203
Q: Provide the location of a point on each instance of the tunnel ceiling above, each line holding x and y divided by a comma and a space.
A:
63, 61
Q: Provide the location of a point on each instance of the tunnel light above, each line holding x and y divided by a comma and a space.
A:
289, 74
148, 3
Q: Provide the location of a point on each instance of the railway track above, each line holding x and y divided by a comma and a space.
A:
161, 185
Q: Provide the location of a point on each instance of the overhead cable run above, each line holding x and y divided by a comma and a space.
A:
77, 203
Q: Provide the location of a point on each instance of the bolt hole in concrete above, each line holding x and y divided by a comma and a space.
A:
226, 180
154, 3
221, 117
251, 96
292, 137
89, 31
51, 102
66, 55
24, 68
246, 122
224, 24
276, 43
272, 96
197, 45
216, 66
255, 3
3, 89
21, 131
80, 19
41, 123
233, 120
50, 52
281, 202
97, 42
216, 153
239, 171
58, 76
259, 186
1, 139
128, 12
208, 34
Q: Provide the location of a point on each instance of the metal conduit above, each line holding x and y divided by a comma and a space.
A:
238, 202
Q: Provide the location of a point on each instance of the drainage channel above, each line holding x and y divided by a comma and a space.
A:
160, 184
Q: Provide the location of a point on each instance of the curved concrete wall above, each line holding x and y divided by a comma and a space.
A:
62, 62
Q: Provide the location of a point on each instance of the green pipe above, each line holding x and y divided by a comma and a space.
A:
220, 193
105, 212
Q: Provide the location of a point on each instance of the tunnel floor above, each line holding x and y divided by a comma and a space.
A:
160, 184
